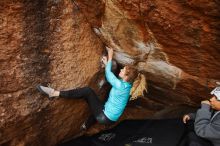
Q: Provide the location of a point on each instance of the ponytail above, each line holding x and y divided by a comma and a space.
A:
139, 86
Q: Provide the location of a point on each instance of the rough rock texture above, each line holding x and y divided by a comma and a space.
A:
175, 43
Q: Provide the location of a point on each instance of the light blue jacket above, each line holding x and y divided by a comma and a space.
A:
118, 96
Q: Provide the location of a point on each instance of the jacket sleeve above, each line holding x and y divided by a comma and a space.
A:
111, 78
192, 116
203, 125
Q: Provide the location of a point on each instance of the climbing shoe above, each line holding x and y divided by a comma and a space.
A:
50, 92
83, 127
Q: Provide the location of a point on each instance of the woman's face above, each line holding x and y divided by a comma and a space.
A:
122, 73
215, 104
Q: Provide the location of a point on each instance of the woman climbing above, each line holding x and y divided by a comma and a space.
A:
130, 82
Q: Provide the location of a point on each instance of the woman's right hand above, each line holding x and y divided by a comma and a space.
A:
186, 118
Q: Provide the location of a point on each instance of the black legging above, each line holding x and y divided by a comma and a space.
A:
92, 99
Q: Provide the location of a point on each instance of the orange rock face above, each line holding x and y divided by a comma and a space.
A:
174, 44
43, 42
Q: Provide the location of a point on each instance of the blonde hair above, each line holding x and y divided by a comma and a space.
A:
138, 80
139, 86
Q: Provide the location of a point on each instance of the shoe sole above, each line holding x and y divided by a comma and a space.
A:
44, 93
41, 91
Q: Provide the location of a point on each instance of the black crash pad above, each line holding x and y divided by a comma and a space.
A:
168, 132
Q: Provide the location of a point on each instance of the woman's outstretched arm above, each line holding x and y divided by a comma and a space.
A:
111, 78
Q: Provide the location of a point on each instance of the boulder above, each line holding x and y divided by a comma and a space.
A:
175, 44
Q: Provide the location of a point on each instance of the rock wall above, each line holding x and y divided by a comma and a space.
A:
176, 45
43, 42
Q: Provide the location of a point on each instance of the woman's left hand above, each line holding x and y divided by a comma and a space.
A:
104, 60
110, 52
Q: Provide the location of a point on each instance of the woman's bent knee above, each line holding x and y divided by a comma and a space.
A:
87, 92
88, 89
